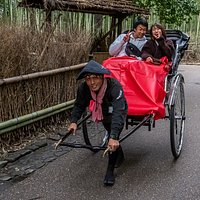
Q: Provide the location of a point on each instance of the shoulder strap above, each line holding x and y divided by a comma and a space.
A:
131, 49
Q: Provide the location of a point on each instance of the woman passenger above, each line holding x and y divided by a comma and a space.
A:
158, 46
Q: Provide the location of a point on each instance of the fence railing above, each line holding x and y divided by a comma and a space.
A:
29, 98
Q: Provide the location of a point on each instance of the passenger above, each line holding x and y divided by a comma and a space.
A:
110, 108
158, 46
130, 43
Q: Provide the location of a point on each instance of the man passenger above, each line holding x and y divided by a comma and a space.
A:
134, 39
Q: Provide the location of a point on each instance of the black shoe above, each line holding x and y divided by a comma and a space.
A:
109, 179
120, 158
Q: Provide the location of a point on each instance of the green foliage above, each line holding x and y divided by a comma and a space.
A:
171, 11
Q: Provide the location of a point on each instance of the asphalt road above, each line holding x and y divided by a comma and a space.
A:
148, 173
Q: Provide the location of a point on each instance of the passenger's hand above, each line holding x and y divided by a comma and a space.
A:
158, 35
167, 68
113, 144
149, 59
161, 38
127, 36
72, 127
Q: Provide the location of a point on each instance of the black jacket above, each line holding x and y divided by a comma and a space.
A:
113, 100
158, 49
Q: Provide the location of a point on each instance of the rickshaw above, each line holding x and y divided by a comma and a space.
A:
171, 103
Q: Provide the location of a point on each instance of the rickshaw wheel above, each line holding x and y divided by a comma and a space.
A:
94, 134
177, 120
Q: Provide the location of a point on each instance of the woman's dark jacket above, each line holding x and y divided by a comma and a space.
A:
158, 49
114, 105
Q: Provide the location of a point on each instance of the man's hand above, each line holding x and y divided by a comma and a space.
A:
127, 36
73, 127
133, 56
113, 144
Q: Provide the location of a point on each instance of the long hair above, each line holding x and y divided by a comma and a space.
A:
160, 27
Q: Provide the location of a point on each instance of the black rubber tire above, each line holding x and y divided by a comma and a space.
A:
177, 120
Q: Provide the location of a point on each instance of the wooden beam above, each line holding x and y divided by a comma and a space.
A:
108, 33
119, 30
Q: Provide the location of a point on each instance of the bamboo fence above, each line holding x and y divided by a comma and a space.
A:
35, 74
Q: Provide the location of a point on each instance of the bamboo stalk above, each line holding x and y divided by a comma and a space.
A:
197, 31
48, 39
34, 115
25, 123
40, 74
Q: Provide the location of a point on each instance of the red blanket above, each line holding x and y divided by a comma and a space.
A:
143, 84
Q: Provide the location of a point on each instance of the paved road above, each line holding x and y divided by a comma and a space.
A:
148, 173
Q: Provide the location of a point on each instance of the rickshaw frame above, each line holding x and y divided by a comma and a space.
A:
174, 103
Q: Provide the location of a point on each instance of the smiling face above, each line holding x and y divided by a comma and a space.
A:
94, 82
140, 31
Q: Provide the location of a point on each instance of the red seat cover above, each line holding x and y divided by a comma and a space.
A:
143, 84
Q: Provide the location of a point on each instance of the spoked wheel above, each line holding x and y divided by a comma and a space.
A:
94, 134
177, 119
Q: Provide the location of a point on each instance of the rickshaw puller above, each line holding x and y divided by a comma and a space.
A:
110, 107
